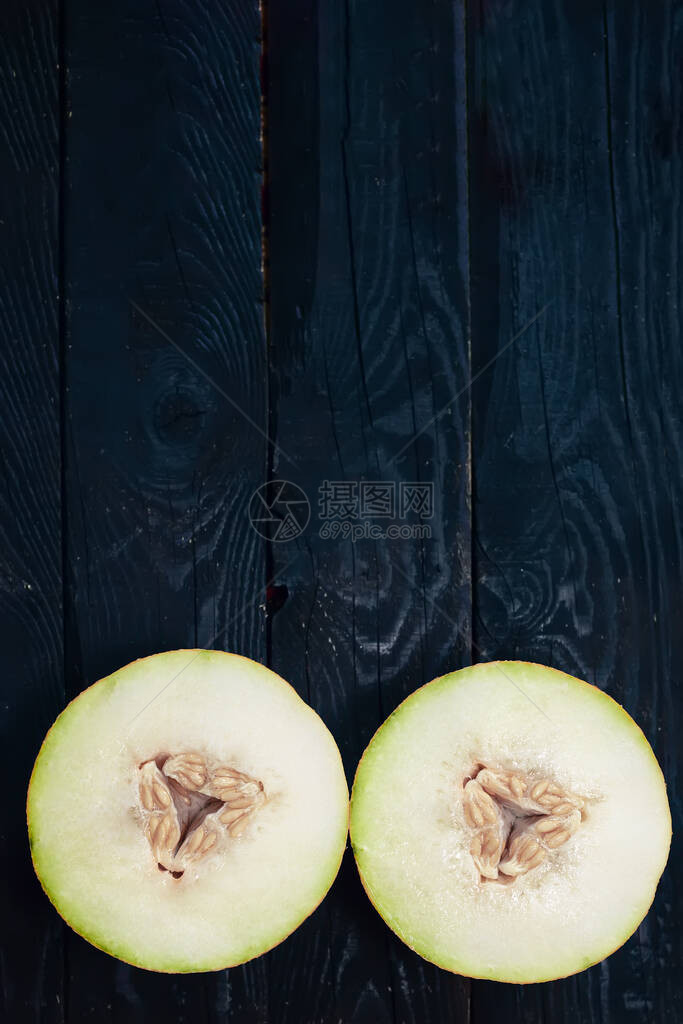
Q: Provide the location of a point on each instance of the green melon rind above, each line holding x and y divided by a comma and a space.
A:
361, 818
70, 718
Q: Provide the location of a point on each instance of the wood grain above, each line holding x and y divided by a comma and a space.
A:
31, 686
165, 376
574, 185
484, 190
369, 323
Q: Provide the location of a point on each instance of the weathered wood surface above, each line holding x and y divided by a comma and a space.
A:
165, 380
368, 343
478, 191
575, 177
32, 660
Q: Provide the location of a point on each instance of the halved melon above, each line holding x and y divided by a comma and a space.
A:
187, 812
510, 822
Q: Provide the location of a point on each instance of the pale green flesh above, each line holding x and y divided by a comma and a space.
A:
85, 829
411, 841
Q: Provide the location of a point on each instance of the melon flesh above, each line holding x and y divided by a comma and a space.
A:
412, 842
86, 824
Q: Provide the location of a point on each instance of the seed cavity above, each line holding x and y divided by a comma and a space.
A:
189, 770
516, 821
188, 805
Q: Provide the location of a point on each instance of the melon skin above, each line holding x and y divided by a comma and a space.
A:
414, 864
224, 917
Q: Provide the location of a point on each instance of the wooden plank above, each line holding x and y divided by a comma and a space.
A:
575, 177
31, 687
166, 380
369, 328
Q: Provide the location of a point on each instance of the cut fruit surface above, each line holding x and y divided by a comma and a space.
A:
510, 822
187, 812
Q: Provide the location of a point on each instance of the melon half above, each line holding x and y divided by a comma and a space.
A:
510, 822
187, 812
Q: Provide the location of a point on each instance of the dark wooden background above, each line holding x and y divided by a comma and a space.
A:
456, 261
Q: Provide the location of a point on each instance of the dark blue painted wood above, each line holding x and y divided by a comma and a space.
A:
31, 647
439, 175
166, 384
368, 309
575, 119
